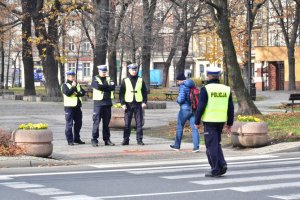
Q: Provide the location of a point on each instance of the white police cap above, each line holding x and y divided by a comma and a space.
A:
102, 68
213, 70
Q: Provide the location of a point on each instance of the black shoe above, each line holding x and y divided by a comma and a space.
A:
70, 143
140, 142
94, 143
173, 147
223, 169
125, 142
209, 174
108, 143
79, 142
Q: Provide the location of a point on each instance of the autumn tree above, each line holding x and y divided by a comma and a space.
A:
220, 15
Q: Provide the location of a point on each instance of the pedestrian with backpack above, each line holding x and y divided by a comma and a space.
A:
185, 113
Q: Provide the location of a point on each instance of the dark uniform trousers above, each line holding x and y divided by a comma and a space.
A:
212, 137
104, 113
73, 114
136, 109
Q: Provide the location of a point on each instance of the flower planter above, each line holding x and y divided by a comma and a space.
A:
249, 134
34, 142
118, 119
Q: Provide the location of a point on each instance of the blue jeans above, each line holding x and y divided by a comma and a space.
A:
183, 116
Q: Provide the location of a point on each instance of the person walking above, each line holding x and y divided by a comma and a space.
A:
185, 113
215, 108
103, 93
72, 93
133, 98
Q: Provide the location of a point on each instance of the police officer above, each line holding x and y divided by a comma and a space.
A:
133, 97
215, 108
103, 93
72, 93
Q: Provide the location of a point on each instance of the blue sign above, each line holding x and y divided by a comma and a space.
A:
38, 74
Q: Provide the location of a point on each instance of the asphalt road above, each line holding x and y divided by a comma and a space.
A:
255, 177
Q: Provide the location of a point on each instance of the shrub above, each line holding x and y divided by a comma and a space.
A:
7, 148
197, 81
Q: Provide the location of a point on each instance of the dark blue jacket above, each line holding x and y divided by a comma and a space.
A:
183, 98
203, 98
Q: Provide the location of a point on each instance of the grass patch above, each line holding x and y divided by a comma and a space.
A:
283, 127
20, 91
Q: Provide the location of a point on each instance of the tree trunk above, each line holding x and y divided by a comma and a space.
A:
291, 60
121, 66
2, 64
27, 50
148, 13
180, 66
8, 61
47, 50
246, 105
101, 10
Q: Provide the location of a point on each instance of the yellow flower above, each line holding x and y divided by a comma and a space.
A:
249, 118
31, 126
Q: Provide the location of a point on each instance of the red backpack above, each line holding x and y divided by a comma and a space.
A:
194, 97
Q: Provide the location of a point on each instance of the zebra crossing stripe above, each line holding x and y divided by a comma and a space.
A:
20, 185
254, 163
4, 178
256, 188
239, 172
286, 197
47, 191
224, 180
75, 197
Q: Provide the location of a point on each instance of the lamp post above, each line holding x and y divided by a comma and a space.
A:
249, 8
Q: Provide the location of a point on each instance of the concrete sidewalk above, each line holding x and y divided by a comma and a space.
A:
16, 112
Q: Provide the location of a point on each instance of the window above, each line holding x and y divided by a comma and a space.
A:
71, 66
86, 46
207, 65
71, 44
72, 23
259, 39
86, 69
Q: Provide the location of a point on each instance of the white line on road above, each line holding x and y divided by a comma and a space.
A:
256, 188
48, 191
239, 172
159, 194
247, 179
21, 185
286, 197
205, 166
75, 197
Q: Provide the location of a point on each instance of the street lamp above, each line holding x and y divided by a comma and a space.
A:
249, 8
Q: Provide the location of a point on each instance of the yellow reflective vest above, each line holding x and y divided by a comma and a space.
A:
130, 93
217, 104
98, 94
71, 101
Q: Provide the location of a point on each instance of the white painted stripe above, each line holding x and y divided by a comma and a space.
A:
75, 197
205, 166
170, 162
239, 172
160, 194
287, 197
48, 191
20, 185
256, 188
192, 167
4, 178
224, 180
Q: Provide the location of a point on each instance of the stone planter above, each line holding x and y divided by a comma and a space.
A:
34, 142
249, 134
118, 120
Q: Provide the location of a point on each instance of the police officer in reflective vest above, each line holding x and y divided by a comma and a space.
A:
72, 93
103, 93
133, 97
215, 109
